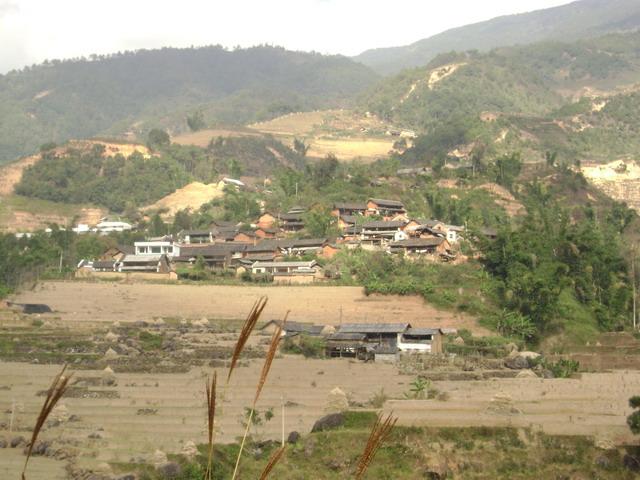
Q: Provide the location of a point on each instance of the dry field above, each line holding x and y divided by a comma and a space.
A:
201, 138
365, 149
146, 412
78, 302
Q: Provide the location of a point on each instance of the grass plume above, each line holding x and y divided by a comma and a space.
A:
268, 361
54, 394
247, 328
275, 458
211, 413
379, 433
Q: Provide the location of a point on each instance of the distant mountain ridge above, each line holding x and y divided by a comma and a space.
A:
577, 20
135, 90
579, 99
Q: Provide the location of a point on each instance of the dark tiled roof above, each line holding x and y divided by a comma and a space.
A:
291, 217
127, 249
208, 251
353, 337
373, 327
418, 242
383, 224
422, 331
350, 206
387, 203
352, 219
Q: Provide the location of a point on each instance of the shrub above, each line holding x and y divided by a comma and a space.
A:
562, 368
309, 347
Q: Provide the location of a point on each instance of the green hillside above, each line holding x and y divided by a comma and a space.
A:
573, 98
577, 20
135, 90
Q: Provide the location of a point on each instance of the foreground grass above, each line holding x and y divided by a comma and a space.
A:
415, 453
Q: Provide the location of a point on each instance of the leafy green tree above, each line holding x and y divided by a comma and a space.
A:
289, 180
506, 168
319, 222
633, 420
196, 121
235, 169
323, 171
158, 139
300, 147
157, 226
182, 221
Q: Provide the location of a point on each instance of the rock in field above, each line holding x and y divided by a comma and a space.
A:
333, 420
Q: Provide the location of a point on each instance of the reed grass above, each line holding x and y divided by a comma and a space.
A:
245, 333
379, 433
273, 461
211, 413
273, 348
54, 394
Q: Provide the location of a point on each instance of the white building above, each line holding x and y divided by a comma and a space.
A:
157, 247
106, 226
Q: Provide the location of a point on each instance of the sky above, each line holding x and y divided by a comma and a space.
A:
34, 30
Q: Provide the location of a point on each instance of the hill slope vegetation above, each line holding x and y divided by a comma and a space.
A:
573, 98
128, 91
577, 20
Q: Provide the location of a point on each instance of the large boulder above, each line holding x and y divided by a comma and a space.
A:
516, 362
293, 437
526, 373
328, 422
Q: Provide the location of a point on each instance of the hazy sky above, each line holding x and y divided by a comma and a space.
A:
34, 30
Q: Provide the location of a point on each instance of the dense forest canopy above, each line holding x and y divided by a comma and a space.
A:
79, 98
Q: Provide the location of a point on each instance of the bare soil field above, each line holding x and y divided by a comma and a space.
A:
146, 412
78, 302
201, 138
192, 196
351, 148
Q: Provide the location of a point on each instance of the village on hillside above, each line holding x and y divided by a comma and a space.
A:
270, 250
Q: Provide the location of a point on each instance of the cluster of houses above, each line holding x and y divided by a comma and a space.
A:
269, 248
381, 342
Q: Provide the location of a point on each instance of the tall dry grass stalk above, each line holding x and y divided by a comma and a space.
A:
268, 361
275, 458
247, 328
54, 394
379, 433
211, 414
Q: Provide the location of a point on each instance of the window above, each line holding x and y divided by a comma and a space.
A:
156, 250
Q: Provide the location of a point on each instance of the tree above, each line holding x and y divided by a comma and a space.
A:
300, 147
319, 222
323, 171
196, 121
507, 168
633, 420
182, 221
235, 169
158, 139
157, 227
550, 158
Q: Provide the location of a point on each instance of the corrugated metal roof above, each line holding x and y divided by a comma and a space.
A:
373, 327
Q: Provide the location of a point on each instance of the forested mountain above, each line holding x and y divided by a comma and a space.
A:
573, 98
132, 91
577, 20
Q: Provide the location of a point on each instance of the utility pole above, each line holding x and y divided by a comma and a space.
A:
282, 401
633, 284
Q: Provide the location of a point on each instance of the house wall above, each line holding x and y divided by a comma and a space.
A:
294, 279
126, 275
